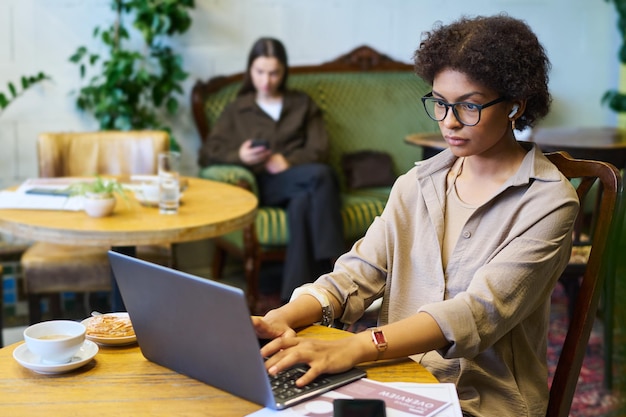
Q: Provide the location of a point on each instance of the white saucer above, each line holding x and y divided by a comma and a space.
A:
145, 201
151, 203
33, 362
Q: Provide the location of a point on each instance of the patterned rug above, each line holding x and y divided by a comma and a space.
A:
591, 398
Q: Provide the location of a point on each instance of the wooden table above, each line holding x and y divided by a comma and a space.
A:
208, 209
120, 381
606, 144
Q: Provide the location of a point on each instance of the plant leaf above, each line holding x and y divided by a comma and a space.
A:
133, 88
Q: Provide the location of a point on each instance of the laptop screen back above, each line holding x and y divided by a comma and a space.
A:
194, 326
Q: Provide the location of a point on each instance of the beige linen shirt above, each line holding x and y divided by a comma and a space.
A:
492, 301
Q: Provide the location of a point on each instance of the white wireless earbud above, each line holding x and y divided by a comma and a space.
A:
514, 110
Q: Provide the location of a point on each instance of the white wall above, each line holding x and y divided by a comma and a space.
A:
39, 35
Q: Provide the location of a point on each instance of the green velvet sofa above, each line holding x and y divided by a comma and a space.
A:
369, 102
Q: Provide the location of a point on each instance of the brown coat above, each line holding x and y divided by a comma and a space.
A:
299, 135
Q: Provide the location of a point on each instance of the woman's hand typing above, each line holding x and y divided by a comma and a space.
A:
322, 356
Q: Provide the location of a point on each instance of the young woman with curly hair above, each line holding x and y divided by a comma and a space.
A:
471, 242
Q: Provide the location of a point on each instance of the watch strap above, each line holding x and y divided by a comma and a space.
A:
328, 315
379, 340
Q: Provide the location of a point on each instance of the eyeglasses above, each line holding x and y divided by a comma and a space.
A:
468, 114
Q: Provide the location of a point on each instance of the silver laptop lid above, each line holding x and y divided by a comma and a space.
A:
194, 326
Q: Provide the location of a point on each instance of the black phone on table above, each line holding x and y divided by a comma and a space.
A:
358, 407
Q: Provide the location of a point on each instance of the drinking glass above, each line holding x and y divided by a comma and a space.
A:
169, 188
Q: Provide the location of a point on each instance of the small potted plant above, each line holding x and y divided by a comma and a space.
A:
98, 195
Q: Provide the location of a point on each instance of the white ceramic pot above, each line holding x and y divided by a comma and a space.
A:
98, 205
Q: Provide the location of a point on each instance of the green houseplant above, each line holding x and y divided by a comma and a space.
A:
99, 195
137, 88
14, 92
100, 186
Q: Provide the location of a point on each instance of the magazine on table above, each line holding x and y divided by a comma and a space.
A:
402, 399
42, 194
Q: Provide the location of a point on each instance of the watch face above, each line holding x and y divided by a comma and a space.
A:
379, 336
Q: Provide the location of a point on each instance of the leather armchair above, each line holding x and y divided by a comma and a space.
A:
50, 269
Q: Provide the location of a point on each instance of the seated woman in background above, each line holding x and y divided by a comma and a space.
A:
470, 245
279, 134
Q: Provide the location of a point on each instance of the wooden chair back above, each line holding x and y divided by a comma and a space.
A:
75, 154
50, 268
587, 173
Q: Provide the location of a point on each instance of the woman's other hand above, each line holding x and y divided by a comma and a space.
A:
266, 329
252, 155
276, 164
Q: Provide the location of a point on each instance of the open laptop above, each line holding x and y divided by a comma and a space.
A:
202, 329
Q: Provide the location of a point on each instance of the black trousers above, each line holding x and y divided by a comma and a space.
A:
310, 195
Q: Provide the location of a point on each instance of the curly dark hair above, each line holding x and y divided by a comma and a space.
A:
499, 52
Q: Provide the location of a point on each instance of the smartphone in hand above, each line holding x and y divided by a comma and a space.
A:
358, 407
260, 142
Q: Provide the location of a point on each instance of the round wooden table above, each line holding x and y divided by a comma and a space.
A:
606, 144
208, 209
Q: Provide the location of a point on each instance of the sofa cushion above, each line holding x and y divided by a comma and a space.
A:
364, 169
357, 212
50, 268
231, 174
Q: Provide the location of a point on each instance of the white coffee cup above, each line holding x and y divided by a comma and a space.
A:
55, 341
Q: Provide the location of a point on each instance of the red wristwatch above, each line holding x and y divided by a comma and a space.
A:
379, 340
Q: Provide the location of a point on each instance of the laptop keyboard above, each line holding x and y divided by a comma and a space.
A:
284, 383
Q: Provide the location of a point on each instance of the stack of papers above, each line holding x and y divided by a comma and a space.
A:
42, 194
402, 399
